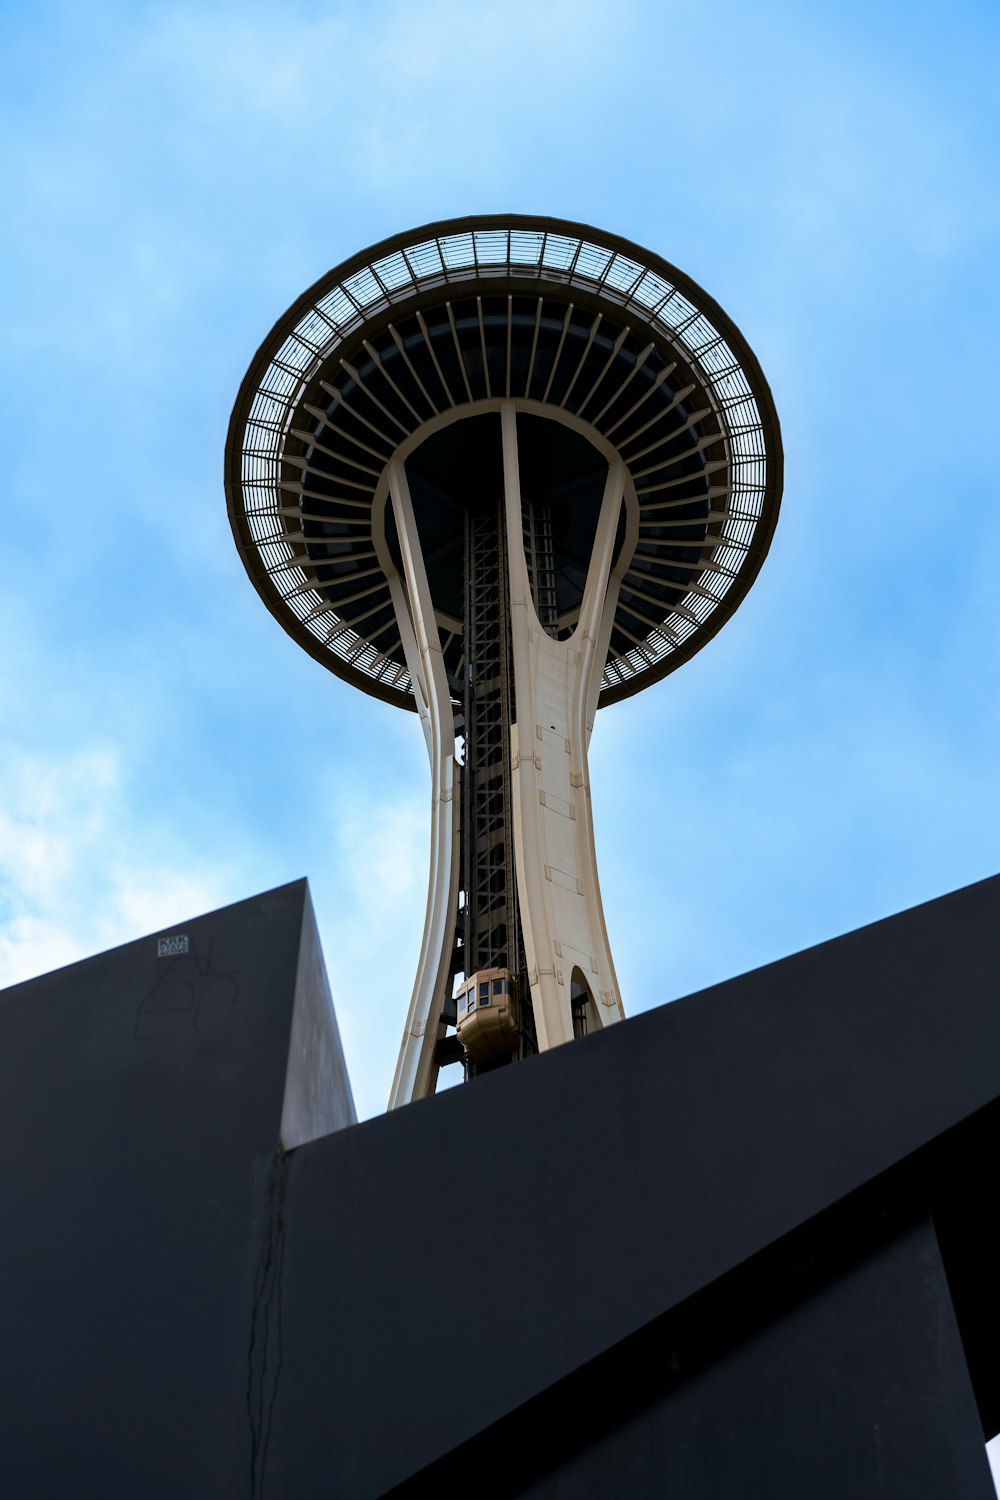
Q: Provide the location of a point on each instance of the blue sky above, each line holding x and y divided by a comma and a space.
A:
174, 175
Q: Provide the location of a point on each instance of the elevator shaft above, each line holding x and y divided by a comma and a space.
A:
490, 922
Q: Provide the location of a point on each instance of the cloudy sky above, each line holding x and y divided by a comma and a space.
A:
175, 174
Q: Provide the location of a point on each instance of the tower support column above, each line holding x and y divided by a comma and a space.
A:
565, 937
416, 1069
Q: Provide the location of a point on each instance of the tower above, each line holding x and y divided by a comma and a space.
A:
504, 471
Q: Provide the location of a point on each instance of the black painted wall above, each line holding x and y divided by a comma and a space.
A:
504, 1235
708, 1248
140, 1104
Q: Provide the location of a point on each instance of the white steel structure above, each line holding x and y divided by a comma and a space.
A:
503, 471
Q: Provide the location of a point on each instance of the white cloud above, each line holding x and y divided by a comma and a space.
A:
80, 870
370, 896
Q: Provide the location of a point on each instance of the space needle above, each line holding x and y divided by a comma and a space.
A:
504, 471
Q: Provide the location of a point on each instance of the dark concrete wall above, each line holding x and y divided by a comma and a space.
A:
828, 1367
467, 1253
140, 1105
190, 1310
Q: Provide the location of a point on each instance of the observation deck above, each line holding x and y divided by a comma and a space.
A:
624, 355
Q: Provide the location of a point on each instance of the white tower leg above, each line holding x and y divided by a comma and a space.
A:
416, 1070
555, 682
556, 687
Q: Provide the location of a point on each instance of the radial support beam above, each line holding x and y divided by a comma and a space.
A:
416, 1070
562, 918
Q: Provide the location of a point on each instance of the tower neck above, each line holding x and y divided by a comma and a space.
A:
514, 901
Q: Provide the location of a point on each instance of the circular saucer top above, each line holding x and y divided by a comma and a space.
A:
408, 349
